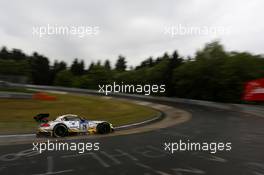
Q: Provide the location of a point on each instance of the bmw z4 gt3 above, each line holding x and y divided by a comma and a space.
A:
70, 124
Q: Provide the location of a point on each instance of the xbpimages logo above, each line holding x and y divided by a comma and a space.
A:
146, 89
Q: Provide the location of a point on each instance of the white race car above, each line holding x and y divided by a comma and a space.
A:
70, 124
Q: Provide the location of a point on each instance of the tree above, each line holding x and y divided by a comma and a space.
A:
17, 54
201, 77
64, 78
216, 75
91, 66
59, 66
17, 68
98, 63
40, 69
174, 62
56, 68
4, 54
107, 65
121, 63
97, 75
77, 68
213, 50
146, 63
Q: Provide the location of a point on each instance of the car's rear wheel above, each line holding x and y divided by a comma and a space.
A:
103, 128
60, 131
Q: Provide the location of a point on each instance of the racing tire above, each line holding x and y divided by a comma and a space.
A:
60, 131
103, 128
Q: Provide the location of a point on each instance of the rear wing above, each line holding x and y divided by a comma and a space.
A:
41, 118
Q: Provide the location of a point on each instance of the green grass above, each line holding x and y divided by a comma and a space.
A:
16, 115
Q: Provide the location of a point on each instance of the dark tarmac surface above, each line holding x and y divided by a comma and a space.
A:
144, 153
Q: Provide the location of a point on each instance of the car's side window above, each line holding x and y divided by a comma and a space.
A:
73, 118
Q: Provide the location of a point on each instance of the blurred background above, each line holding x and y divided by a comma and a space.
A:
205, 51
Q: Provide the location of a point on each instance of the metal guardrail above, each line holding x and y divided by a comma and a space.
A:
15, 95
88, 91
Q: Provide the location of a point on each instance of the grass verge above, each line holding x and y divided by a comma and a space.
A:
16, 115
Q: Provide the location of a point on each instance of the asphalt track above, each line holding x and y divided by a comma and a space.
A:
143, 153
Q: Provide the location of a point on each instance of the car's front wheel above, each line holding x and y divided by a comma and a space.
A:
60, 131
103, 128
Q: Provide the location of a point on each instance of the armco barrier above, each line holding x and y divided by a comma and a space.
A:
15, 95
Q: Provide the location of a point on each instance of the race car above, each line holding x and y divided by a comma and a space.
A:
67, 124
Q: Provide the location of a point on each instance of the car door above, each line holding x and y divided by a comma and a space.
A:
84, 125
73, 123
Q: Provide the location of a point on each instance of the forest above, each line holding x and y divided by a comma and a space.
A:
212, 74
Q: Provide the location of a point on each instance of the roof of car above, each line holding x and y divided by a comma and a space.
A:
66, 115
